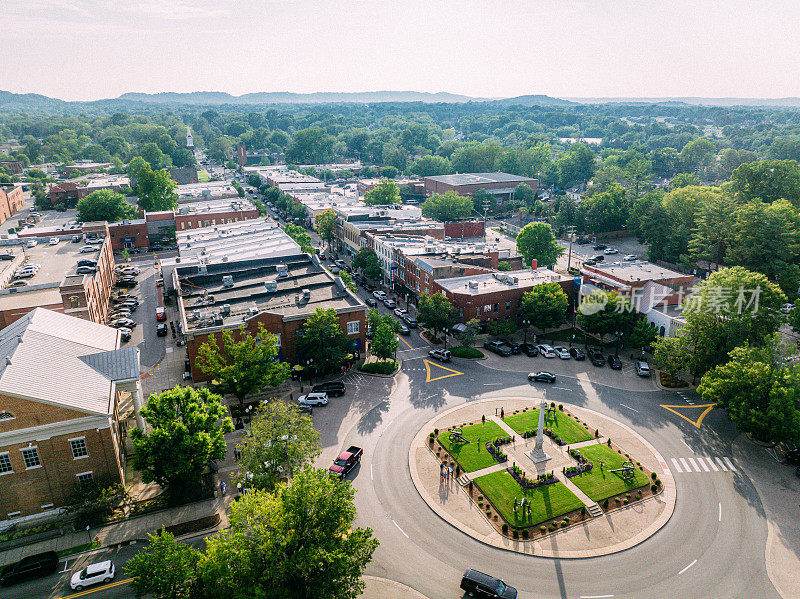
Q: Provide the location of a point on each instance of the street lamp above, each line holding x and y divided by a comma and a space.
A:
446, 331
619, 337
525, 323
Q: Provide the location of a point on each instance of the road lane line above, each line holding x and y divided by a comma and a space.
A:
96, 589
400, 529
561, 388
685, 465
694, 465
730, 465
712, 464
720, 512
675, 463
687, 567
721, 464
687, 445
596, 596
702, 462
370, 473
622, 405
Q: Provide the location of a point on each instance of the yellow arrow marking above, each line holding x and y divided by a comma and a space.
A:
404, 341
708, 407
428, 365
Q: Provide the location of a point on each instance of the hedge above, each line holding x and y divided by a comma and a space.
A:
466, 352
379, 367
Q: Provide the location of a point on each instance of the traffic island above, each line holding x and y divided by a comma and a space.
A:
593, 496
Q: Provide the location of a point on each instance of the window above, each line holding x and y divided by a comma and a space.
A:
508, 305
6, 415
31, 457
78, 447
5, 464
352, 327
73, 301
495, 307
85, 477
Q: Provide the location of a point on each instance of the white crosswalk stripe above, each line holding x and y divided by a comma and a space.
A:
702, 464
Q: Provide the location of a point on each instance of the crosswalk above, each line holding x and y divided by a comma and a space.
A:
702, 464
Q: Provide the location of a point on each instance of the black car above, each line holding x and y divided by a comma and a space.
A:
598, 258
498, 347
793, 456
161, 330
529, 350
6, 256
403, 329
87, 262
126, 283
32, 566
476, 583
410, 321
332, 388
600, 246
516, 348
614, 362
372, 302
577, 353
542, 377
596, 356
590, 263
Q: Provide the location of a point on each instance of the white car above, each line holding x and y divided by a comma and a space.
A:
93, 574
54, 240
379, 295
400, 312
561, 352
129, 271
31, 243
631, 257
87, 249
313, 399
547, 351
609, 251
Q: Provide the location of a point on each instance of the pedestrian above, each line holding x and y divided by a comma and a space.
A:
222, 487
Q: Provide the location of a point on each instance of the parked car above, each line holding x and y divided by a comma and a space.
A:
93, 574
516, 348
54, 241
33, 566
483, 585
85, 270
614, 362
642, 368
498, 347
372, 302
611, 251
125, 333
403, 329
598, 258
389, 303
589, 263
562, 352
443, 355
379, 295
87, 262
577, 353
130, 271
529, 349
122, 322
332, 388
76, 239
17, 283
546, 350
400, 312
6, 256
31, 243
596, 356
126, 283
600, 246
161, 313
313, 399
161, 330
541, 377
630, 257
410, 321
87, 249
346, 461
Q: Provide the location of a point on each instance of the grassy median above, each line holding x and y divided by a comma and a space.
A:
565, 427
473, 456
600, 485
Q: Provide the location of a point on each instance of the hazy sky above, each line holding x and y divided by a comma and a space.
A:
90, 49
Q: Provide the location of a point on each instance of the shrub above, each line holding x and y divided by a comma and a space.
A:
466, 352
552, 404
583, 511
379, 367
505, 529
658, 482
483, 418
552, 527
627, 495
653, 475
564, 523
625, 501
515, 534
430, 438
480, 497
543, 529
596, 433
436, 431
605, 504
561, 407
653, 488
470, 487
608, 442
480, 504
617, 500
525, 534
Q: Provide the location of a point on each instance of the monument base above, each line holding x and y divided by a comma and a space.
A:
537, 456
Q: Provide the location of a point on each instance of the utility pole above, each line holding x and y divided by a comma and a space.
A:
485, 211
571, 233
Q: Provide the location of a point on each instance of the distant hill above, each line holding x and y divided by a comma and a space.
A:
535, 100
698, 101
295, 98
12, 100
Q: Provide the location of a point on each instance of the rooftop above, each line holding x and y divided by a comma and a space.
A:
257, 287
477, 178
209, 189
361, 211
637, 270
215, 205
424, 244
501, 281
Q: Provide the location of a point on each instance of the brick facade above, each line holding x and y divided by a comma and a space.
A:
12, 199
210, 219
464, 228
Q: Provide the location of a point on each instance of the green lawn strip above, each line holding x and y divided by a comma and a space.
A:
599, 485
202, 176
547, 502
565, 427
473, 456
79, 548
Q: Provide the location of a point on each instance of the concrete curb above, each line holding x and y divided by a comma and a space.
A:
383, 587
495, 539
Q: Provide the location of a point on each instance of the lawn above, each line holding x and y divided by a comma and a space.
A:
564, 426
547, 502
599, 485
473, 456
202, 176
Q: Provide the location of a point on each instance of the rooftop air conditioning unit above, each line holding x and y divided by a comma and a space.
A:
271, 286
473, 284
306, 294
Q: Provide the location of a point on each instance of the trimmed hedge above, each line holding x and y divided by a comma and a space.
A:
466, 352
379, 367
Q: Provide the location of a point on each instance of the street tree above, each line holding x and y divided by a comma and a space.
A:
301, 236
281, 440
299, 542
536, 241
435, 312
322, 340
384, 193
104, 205
367, 260
186, 431
768, 180
643, 334
673, 355
165, 569
447, 207
431, 165
348, 280
544, 306
523, 193
759, 392
468, 337
156, 189
605, 313
384, 338
325, 224
243, 364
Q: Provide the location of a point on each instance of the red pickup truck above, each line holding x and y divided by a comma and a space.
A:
346, 461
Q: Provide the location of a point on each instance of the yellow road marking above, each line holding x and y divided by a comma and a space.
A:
428, 365
404, 341
705, 407
100, 588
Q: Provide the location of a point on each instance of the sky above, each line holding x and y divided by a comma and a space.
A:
93, 49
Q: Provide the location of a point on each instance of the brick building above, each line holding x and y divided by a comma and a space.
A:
500, 185
66, 193
183, 175
60, 424
629, 277
12, 199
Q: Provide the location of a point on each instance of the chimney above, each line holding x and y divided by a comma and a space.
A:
534, 264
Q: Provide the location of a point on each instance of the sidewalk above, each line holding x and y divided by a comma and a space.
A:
381, 588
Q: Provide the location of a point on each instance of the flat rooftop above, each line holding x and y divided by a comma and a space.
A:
419, 245
501, 281
215, 205
361, 211
635, 271
203, 295
477, 178
209, 189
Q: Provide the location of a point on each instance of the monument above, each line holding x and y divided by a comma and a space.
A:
537, 454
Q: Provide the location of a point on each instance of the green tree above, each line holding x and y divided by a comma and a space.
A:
476, 157
244, 364
683, 180
104, 204
347, 280
369, 263
134, 166
605, 313
384, 338
544, 306
322, 340
301, 236
673, 355
643, 334
165, 569
280, 441
384, 193
768, 181
468, 337
431, 165
758, 391
153, 155
298, 543
536, 240
447, 207
310, 146
697, 155
435, 312
604, 211
523, 193
325, 224
391, 172
186, 432
156, 189
503, 266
